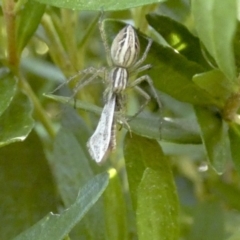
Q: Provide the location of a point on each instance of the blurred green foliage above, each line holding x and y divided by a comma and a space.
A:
175, 176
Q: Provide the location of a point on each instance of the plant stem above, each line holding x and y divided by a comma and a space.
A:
13, 62
10, 19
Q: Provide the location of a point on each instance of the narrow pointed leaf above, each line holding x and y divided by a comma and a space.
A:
177, 130
172, 130
57, 226
72, 169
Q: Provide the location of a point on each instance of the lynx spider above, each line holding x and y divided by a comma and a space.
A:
123, 59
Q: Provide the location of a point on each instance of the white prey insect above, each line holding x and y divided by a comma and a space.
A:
103, 139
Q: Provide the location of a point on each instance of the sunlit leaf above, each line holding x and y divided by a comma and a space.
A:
178, 36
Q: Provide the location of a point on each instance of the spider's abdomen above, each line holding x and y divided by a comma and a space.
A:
125, 48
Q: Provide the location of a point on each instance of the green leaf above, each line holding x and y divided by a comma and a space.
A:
234, 136
8, 86
115, 208
16, 122
152, 188
214, 133
57, 226
134, 153
178, 37
27, 190
216, 23
106, 5
216, 84
157, 212
177, 130
70, 173
208, 222
28, 21
170, 129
